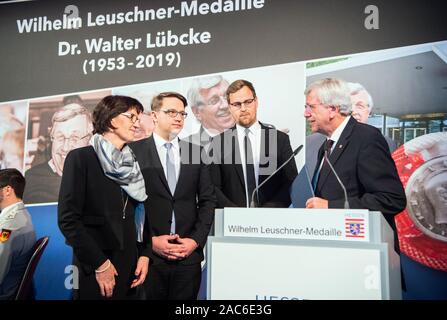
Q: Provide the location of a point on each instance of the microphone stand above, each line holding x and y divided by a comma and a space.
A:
252, 202
346, 205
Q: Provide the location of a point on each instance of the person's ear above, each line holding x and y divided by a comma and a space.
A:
154, 117
7, 190
113, 125
333, 111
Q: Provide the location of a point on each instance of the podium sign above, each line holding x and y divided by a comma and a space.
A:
270, 253
304, 224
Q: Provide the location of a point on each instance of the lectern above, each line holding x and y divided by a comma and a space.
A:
285, 254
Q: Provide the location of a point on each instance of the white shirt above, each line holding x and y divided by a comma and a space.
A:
337, 133
255, 139
335, 137
162, 151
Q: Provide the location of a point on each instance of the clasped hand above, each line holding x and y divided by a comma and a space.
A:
172, 247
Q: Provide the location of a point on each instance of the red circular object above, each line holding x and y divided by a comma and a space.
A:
412, 241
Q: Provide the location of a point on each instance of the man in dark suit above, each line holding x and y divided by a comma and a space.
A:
180, 203
358, 152
361, 107
245, 155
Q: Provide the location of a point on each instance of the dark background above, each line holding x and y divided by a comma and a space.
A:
282, 31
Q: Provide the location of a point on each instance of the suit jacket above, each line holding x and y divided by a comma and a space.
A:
90, 210
315, 140
193, 200
228, 176
363, 162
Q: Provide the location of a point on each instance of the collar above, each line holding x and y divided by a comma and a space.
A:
160, 142
210, 133
337, 133
254, 128
12, 209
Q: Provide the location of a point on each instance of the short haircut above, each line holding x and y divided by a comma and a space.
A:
355, 88
238, 85
110, 107
14, 179
69, 112
194, 97
157, 101
333, 92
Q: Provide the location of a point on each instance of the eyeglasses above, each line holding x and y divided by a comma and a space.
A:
246, 103
131, 116
214, 100
174, 113
72, 140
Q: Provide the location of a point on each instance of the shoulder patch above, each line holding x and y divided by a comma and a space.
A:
4, 235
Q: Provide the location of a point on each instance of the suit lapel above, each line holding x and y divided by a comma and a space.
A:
183, 145
153, 153
232, 145
338, 150
320, 157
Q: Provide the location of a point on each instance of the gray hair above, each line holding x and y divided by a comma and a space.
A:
333, 92
194, 96
355, 88
68, 112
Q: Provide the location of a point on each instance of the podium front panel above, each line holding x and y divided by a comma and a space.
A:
272, 269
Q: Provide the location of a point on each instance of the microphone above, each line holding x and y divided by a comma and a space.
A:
252, 203
346, 206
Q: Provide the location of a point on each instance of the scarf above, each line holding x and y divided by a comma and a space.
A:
120, 166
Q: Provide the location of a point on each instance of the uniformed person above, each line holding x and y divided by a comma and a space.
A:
17, 236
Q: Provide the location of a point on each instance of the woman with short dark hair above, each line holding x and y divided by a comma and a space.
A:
101, 211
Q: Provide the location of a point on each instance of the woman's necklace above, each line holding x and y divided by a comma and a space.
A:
124, 203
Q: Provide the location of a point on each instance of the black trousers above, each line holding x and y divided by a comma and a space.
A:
170, 280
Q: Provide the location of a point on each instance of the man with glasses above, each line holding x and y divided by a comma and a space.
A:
248, 153
17, 235
362, 104
181, 202
210, 107
358, 153
71, 128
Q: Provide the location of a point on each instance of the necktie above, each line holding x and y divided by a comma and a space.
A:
171, 177
249, 165
326, 148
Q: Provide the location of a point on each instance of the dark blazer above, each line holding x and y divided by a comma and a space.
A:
228, 175
90, 210
193, 200
363, 162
